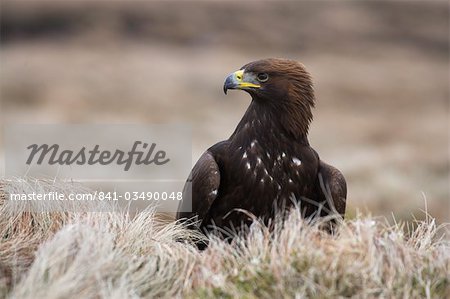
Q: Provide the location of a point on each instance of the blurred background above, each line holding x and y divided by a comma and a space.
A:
381, 72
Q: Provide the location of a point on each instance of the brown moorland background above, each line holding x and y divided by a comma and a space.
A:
381, 72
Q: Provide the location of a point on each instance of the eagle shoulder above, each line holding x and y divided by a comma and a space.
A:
332, 183
200, 190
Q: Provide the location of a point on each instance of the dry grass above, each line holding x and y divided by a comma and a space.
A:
115, 255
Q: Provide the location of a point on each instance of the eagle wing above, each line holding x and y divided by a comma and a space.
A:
333, 186
201, 189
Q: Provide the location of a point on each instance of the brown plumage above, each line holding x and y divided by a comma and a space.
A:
267, 162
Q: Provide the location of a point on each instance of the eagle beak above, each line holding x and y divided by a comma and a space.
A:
240, 80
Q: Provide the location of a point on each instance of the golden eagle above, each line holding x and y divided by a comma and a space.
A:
267, 163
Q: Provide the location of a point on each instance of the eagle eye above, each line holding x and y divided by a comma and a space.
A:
262, 77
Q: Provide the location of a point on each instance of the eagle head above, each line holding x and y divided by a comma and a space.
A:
282, 86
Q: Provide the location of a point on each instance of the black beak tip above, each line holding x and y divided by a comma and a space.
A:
228, 84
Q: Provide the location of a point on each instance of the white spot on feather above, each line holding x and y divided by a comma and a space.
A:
253, 143
268, 155
247, 165
258, 160
297, 161
214, 192
244, 156
283, 155
290, 181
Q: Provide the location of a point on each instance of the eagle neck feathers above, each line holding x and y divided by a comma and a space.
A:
286, 118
